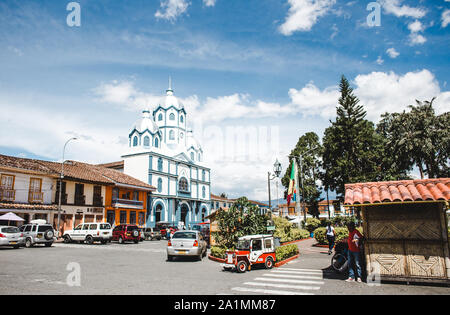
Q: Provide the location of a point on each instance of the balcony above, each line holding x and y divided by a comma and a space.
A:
126, 203
80, 200
35, 197
63, 198
7, 194
97, 201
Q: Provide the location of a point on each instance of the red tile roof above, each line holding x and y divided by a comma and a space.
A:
114, 165
26, 165
398, 191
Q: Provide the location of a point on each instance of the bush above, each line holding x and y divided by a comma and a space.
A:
218, 252
298, 234
320, 234
285, 252
312, 224
287, 232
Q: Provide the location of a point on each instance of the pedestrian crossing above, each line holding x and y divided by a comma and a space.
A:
284, 281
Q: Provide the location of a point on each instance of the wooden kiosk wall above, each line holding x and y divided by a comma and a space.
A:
407, 241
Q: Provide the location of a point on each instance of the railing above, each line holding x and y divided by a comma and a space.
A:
126, 202
80, 200
35, 197
97, 201
7, 194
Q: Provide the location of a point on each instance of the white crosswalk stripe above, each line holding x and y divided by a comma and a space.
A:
285, 281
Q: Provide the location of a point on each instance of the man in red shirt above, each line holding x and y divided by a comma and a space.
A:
354, 239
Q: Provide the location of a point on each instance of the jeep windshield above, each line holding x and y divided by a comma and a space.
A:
243, 245
44, 228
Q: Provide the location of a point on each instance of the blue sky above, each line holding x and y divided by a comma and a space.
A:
235, 64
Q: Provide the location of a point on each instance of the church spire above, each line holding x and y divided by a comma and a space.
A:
169, 91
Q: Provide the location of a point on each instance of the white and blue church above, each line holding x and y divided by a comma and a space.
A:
164, 153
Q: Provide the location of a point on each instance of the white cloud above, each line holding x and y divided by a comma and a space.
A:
209, 3
380, 60
392, 53
303, 14
171, 9
394, 7
416, 38
416, 26
446, 17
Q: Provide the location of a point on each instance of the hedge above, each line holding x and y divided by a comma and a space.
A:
286, 251
218, 252
286, 232
341, 233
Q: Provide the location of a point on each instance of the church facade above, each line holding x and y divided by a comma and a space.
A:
164, 153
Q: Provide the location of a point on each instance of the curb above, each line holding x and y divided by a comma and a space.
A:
216, 259
281, 263
319, 245
297, 241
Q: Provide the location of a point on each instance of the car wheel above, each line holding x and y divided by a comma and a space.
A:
89, 240
120, 240
170, 258
49, 244
104, 242
67, 239
269, 263
16, 247
242, 266
136, 241
28, 243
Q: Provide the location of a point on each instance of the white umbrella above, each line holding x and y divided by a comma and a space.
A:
11, 217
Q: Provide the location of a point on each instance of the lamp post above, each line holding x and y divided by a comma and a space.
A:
276, 174
60, 184
300, 156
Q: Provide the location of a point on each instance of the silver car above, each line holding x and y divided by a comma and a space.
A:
186, 243
11, 236
38, 233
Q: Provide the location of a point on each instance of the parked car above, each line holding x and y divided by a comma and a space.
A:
38, 232
186, 243
126, 233
163, 228
151, 234
89, 233
251, 250
11, 236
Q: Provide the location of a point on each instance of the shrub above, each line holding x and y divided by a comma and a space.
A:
218, 252
312, 224
298, 234
285, 252
320, 234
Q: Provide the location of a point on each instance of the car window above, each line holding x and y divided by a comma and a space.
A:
131, 228
78, 227
92, 227
22, 228
185, 235
10, 229
105, 226
28, 228
44, 228
33, 229
256, 245
85, 226
268, 243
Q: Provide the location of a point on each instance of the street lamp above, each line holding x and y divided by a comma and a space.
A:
276, 174
60, 183
300, 156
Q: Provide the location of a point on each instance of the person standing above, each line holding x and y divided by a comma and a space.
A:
331, 236
354, 240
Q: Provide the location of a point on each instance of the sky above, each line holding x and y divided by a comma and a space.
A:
254, 75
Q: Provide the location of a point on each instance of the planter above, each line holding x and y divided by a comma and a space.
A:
320, 245
281, 263
221, 260
291, 242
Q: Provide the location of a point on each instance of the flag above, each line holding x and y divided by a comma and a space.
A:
291, 190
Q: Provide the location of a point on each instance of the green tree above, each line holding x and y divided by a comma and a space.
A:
310, 148
241, 219
351, 146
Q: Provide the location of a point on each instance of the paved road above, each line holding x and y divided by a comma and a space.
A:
143, 269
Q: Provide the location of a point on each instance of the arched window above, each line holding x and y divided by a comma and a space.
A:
156, 143
182, 119
172, 116
160, 117
204, 192
203, 175
160, 164
171, 135
192, 156
183, 185
135, 141
159, 185
146, 141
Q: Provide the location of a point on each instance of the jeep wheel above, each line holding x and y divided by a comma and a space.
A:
49, 235
67, 239
89, 240
120, 240
241, 266
28, 243
269, 263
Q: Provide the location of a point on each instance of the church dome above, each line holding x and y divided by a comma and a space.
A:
171, 100
146, 122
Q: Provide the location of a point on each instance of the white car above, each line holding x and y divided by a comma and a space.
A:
89, 233
11, 236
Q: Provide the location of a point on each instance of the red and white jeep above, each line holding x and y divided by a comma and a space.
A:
251, 250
